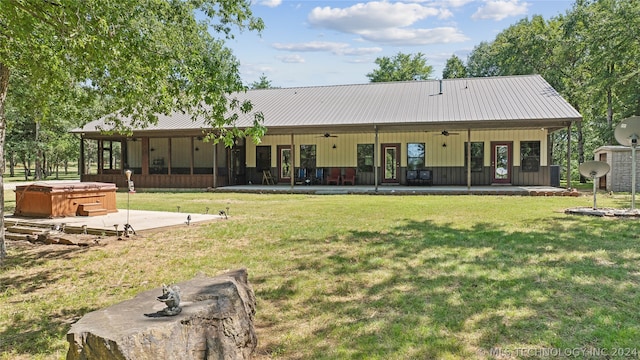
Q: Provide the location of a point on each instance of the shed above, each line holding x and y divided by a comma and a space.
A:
619, 160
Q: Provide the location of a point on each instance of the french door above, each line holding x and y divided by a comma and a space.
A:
390, 163
501, 162
285, 166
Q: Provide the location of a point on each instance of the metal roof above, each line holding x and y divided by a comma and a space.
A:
526, 101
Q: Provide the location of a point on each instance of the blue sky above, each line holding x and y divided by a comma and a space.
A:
334, 42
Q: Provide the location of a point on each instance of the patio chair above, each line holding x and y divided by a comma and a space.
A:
412, 177
425, 177
349, 176
301, 176
318, 179
334, 176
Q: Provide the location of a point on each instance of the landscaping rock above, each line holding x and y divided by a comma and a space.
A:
216, 322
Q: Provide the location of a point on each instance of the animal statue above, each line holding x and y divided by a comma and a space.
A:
171, 297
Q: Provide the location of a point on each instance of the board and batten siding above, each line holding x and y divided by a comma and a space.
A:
345, 153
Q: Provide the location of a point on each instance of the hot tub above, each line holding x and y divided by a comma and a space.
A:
62, 199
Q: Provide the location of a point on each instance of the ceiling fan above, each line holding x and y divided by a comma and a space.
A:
446, 133
327, 135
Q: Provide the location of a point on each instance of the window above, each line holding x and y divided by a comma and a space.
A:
415, 156
181, 155
158, 155
530, 156
308, 156
365, 157
477, 156
111, 155
90, 156
134, 155
263, 158
203, 156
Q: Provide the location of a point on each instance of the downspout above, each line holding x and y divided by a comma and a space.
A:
569, 156
375, 159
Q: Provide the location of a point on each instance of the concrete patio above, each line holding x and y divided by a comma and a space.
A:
394, 190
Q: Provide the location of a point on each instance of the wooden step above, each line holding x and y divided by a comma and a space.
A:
93, 212
91, 209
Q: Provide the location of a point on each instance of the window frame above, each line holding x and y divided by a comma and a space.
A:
474, 158
530, 162
365, 155
416, 162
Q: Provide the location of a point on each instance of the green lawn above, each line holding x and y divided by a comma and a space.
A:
360, 277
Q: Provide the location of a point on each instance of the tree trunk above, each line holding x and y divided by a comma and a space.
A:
39, 155
12, 164
4, 85
25, 166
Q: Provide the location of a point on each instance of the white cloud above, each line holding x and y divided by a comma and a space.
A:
311, 46
444, 3
336, 48
501, 9
291, 59
388, 23
361, 51
270, 3
440, 35
373, 15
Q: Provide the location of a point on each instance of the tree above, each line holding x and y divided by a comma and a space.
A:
262, 83
402, 67
145, 57
454, 68
481, 61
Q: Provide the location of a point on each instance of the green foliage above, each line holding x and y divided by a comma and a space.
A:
402, 67
144, 58
454, 68
263, 83
590, 55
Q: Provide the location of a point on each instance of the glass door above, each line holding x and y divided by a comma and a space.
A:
284, 163
390, 163
501, 162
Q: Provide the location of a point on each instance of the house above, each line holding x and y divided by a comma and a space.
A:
619, 178
474, 131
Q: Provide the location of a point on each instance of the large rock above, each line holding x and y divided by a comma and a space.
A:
216, 322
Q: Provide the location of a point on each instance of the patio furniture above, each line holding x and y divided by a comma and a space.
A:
267, 179
426, 177
301, 177
334, 176
412, 177
318, 179
349, 176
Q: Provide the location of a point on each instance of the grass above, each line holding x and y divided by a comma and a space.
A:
359, 277
71, 174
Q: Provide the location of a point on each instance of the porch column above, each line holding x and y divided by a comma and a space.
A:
375, 158
81, 168
293, 162
468, 159
569, 156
